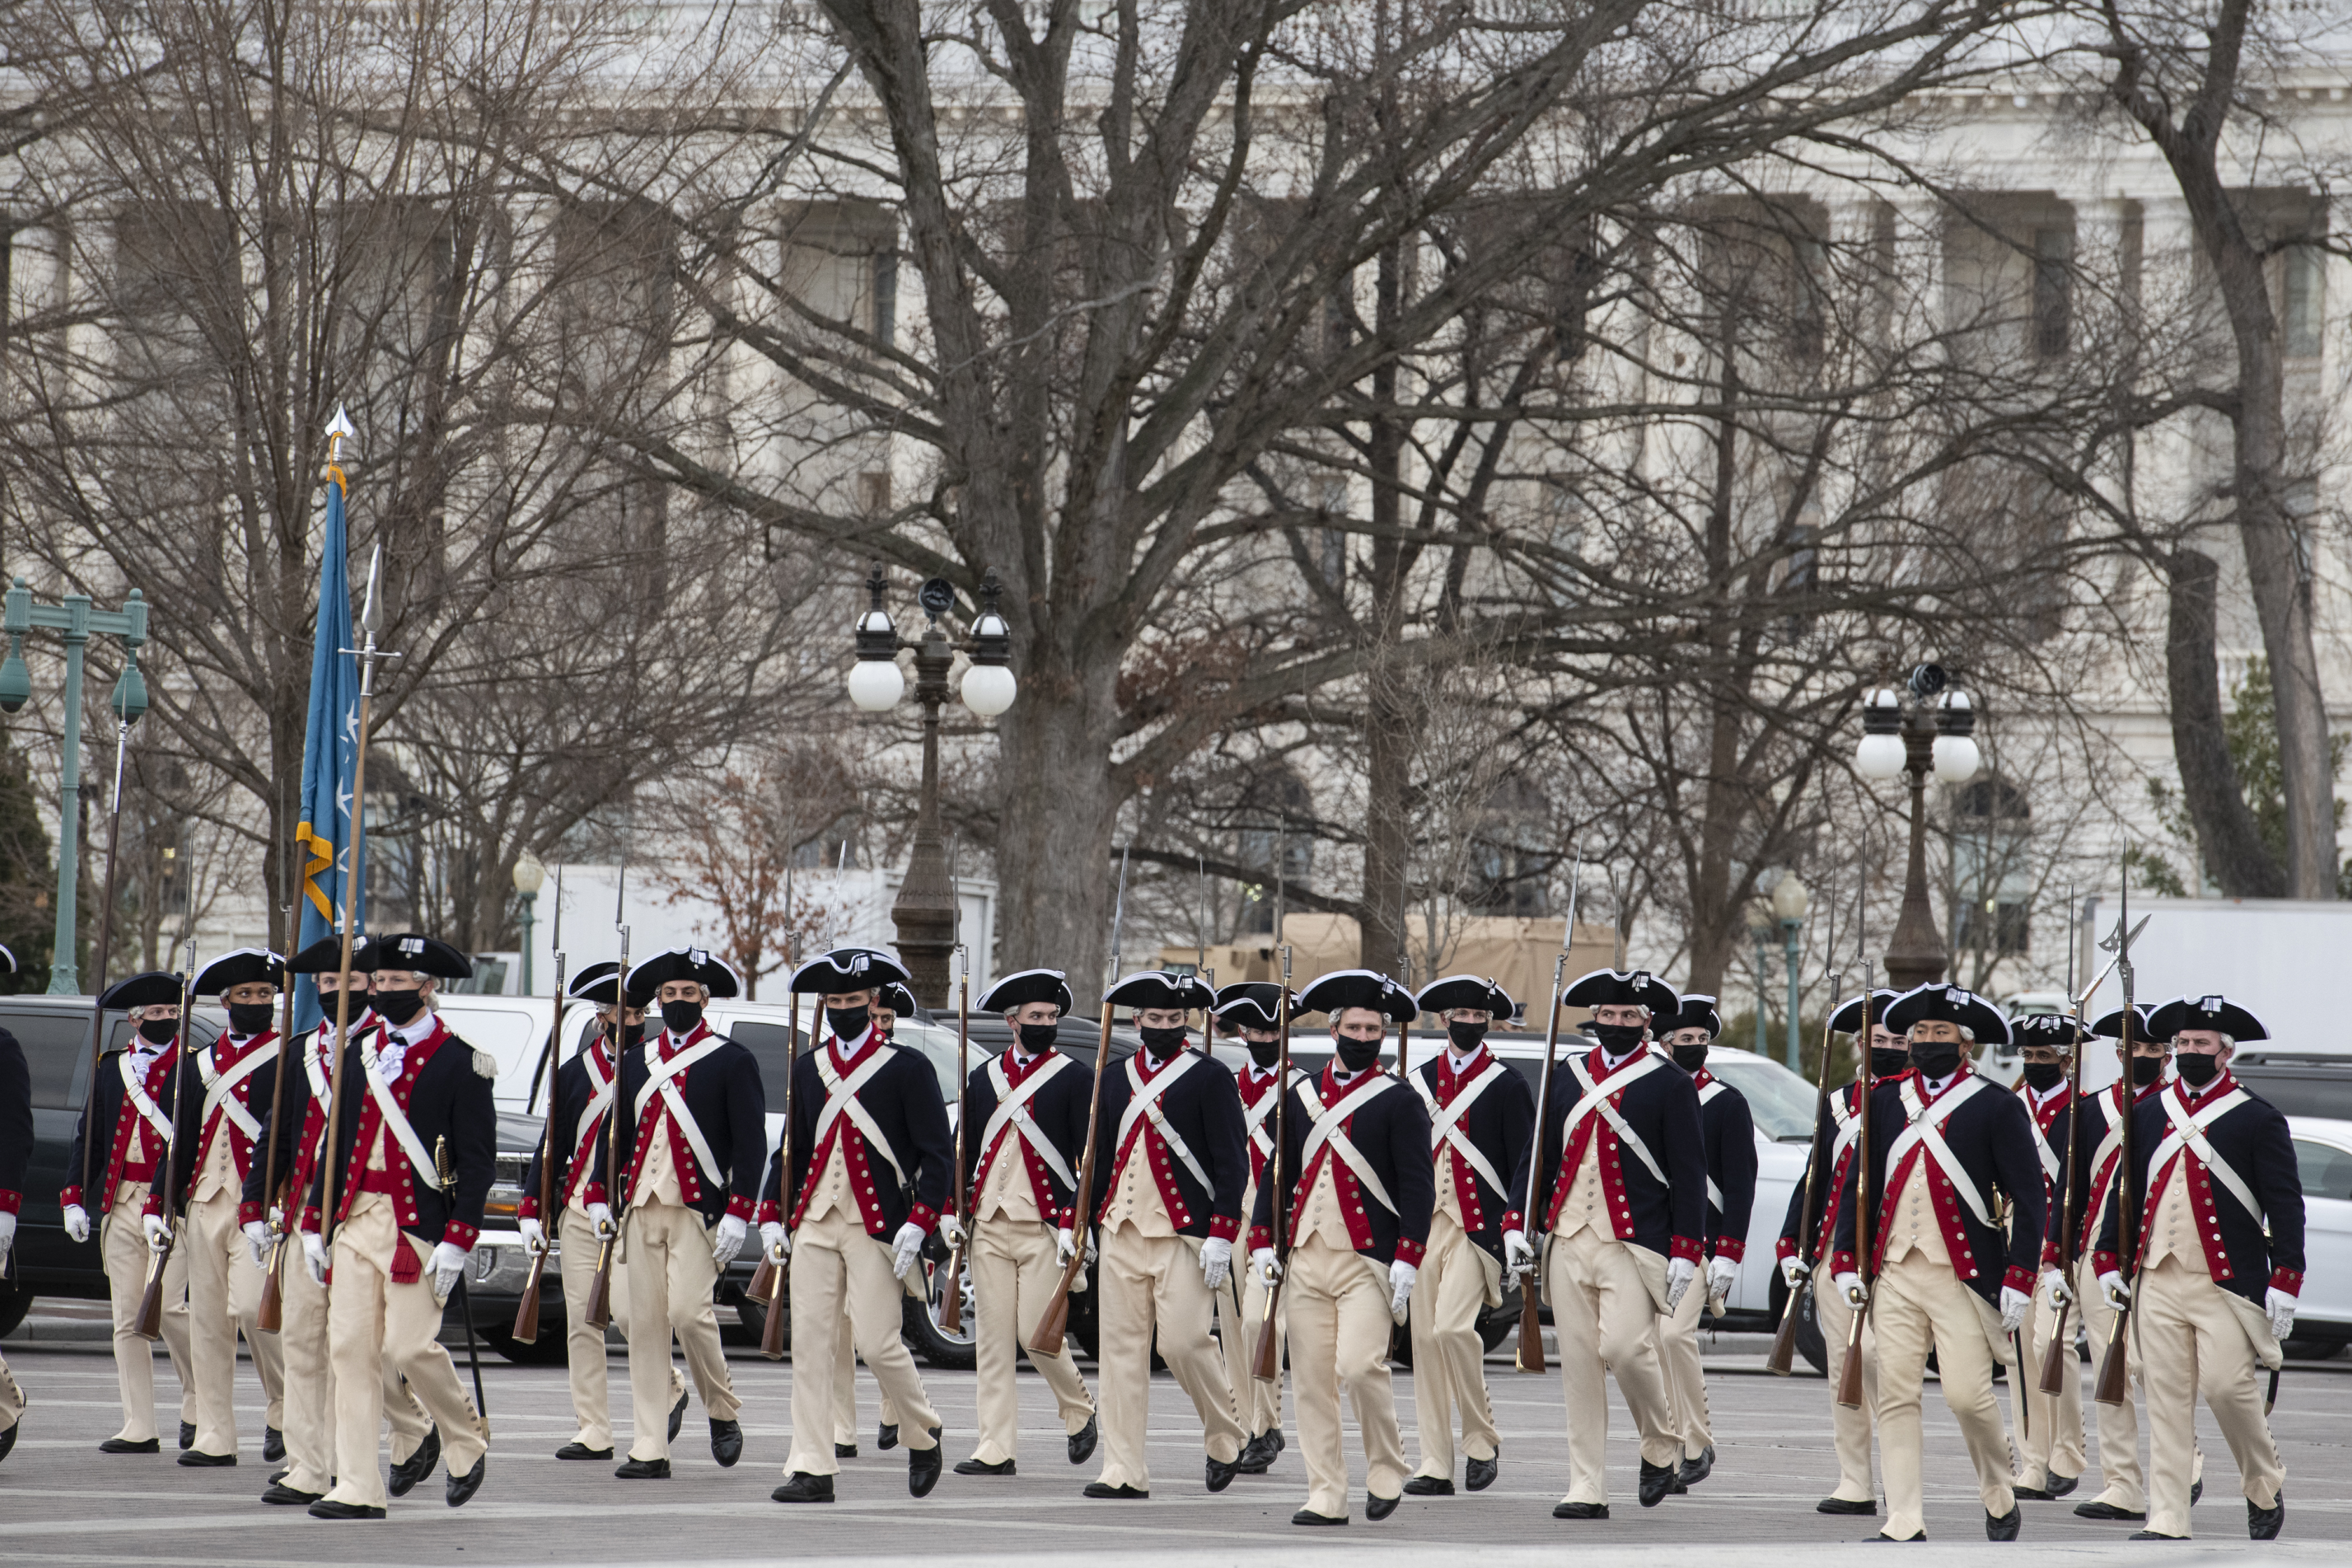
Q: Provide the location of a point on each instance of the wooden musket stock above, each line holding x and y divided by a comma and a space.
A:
1056, 1323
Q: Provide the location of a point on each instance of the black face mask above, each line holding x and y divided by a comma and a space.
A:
680, 1016
1617, 1038
1467, 1037
1036, 1037
1886, 1060
2147, 1069
1266, 1053
632, 1034
2045, 1075
1690, 1057
2197, 1069
159, 1032
399, 1006
1356, 1055
249, 1018
1162, 1043
1936, 1058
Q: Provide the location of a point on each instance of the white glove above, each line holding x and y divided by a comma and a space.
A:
2014, 1305
256, 1236
1518, 1256
1268, 1267
76, 1223
777, 1241
447, 1262
1849, 1285
600, 1215
2054, 1285
158, 1230
1402, 1275
2280, 1307
952, 1230
1721, 1272
277, 1222
7, 1235
909, 1242
1680, 1272
314, 1256
1216, 1261
1793, 1273
534, 1236
1065, 1247
728, 1239
2118, 1294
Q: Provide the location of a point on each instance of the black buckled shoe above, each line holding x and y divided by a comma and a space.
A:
2262, 1523
2006, 1526
460, 1488
125, 1446
197, 1459
2196, 1487
322, 1508
982, 1467
1883, 1539
1377, 1509
844, 1450
726, 1443
8, 1438
2153, 1535
1695, 1470
1309, 1516
1482, 1473
923, 1467
284, 1496
273, 1445
885, 1435
582, 1451
1223, 1471
642, 1470
187, 1435
1099, 1490
1657, 1481
1429, 1486
412, 1471
1257, 1454
1579, 1510
803, 1487
678, 1415
2094, 1509
1082, 1441
1866, 1508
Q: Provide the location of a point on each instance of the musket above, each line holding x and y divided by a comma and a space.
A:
150, 1322
766, 1278
951, 1296
1266, 1365
599, 1311
526, 1321
1053, 1325
768, 1282
270, 1316
1782, 1359
1531, 1352
2061, 1348
543, 1070
1849, 1393
447, 1173
1200, 940
2115, 1372
105, 944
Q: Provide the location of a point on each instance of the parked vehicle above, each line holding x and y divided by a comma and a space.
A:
2323, 1154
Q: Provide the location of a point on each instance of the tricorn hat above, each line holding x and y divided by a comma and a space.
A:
1698, 1011
2214, 1012
325, 956
1467, 991
1253, 1003
145, 990
1359, 988
2110, 1025
598, 983
847, 969
1162, 988
1624, 989
696, 964
9, 959
1018, 990
423, 954
2055, 1031
1937, 1002
241, 967
1848, 1019
898, 999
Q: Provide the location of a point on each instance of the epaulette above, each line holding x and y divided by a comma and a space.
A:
485, 1064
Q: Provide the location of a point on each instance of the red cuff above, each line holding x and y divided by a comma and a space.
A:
1787, 1247
1684, 1247
1223, 1227
740, 1207
2287, 1280
594, 1193
1514, 1221
768, 1213
309, 1220
2104, 1263
155, 1203
69, 1198
925, 1215
1261, 1238
1731, 1248
2050, 1252
11, 1202
2021, 1281
530, 1208
1410, 1252
460, 1236
1841, 1263
246, 1213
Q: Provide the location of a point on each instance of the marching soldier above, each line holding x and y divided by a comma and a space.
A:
1729, 1131
297, 1132
2050, 1427
1171, 1169
861, 1106
1253, 1008
1945, 1144
1624, 1224
1481, 1118
578, 1104
1832, 1153
1028, 1109
1352, 1133
213, 1151
130, 1106
15, 1153
413, 1150
2220, 1266
893, 1002
692, 1115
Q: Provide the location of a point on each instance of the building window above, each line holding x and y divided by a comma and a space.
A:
1992, 875
2303, 299
1510, 860
2053, 300
1277, 841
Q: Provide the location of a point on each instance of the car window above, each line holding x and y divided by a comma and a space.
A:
2327, 1170
510, 1037
56, 1051
771, 1046
1781, 1102
938, 1048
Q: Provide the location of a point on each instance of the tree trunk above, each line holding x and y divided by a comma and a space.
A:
1056, 850
2228, 841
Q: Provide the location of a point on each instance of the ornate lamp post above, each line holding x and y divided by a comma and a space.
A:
77, 622
1790, 899
1899, 739
925, 913
530, 876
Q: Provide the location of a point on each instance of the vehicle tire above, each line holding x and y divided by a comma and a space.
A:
15, 1301
2311, 1347
1495, 1326
919, 1325
547, 1350
1810, 1344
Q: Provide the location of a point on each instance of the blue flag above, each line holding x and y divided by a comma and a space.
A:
330, 750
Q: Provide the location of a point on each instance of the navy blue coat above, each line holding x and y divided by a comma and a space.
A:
1809, 1203
1501, 1125
1059, 1107
724, 1095
15, 1121
1661, 1107
1204, 1107
1391, 1131
904, 1100
2253, 1139
1728, 1129
566, 1103
103, 1110
451, 1100
1991, 1135
254, 1094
